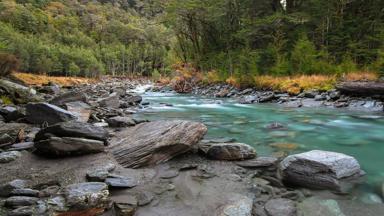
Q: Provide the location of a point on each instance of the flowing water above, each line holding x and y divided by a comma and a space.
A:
359, 134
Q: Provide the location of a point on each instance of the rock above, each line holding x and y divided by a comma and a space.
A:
11, 113
293, 104
21, 146
121, 182
18, 93
68, 97
228, 151
275, 126
6, 157
222, 93
266, 98
97, 175
120, 121
5, 138
258, 162
87, 195
22, 211
38, 113
73, 129
6, 189
280, 207
136, 99
311, 94
112, 101
319, 169
155, 142
144, 198
49, 191
334, 95
65, 146
52, 88
25, 192
250, 99
123, 209
17, 201
239, 205
169, 173
312, 103
80, 109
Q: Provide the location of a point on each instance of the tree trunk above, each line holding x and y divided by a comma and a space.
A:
362, 88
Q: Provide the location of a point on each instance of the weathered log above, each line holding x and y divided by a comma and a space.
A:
362, 88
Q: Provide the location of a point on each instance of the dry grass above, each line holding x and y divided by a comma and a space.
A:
34, 79
361, 76
296, 84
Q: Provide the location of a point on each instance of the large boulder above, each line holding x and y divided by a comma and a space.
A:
65, 146
228, 151
18, 93
155, 142
38, 113
319, 169
73, 129
112, 101
121, 121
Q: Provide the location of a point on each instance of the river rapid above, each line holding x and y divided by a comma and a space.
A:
359, 134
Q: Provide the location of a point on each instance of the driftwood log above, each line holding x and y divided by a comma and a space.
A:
372, 89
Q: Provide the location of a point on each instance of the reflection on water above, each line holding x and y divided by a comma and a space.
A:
358, 134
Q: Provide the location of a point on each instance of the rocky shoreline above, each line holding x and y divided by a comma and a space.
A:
79, 151
336, 98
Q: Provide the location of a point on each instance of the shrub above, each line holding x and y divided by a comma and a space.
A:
8, 63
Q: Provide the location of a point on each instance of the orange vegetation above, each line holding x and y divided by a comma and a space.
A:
34, 79
296, 84
361, 76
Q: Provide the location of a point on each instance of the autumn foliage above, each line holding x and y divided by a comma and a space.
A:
8, 63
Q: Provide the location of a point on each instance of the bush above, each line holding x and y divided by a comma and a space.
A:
8, 63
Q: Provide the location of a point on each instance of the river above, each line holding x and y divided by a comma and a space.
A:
359, 134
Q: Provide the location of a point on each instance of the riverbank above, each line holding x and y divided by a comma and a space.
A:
80, 151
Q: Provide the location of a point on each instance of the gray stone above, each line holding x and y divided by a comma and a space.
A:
25, 192
120, 121
18, 93
17, 201
65, 146
135, 99
38, 113
371, 198
239, 205
169, 173
6, 157
73, 129
6, 189
121, 182
98, 175
80, 109
275, 126
258, 162
144, 198
228, 151
319, 169
22, 211
280, 207
11, 113
21, 146
155, 142
87, 195
112, 101
5, 138
69, 97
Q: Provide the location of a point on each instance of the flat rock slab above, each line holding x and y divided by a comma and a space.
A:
121, 121
73, 129
38, 113
155, 142
319, 169
69, 97
65, 146
228, 151
121, 182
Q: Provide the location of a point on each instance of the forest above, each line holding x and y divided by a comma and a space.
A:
227, 38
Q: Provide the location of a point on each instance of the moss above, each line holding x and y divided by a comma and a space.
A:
6, 100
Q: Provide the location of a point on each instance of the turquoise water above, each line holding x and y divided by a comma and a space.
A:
359, 134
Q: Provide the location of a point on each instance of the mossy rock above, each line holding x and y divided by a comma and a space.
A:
16, 93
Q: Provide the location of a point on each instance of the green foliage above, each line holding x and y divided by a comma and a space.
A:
303, 57
82, 38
